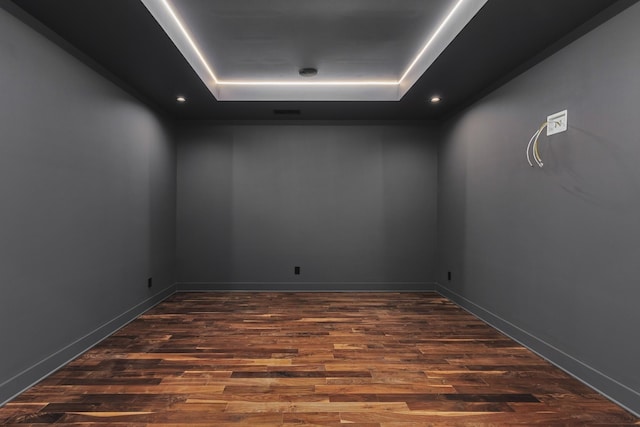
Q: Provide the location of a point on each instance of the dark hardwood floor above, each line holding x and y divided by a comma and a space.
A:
367, 359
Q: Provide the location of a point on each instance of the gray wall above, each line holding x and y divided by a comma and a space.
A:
87, 193
348, 204
552, 255
88, 196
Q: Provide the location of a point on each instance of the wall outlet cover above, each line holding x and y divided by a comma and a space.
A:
557, 123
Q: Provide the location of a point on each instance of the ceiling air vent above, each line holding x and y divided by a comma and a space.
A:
286, 112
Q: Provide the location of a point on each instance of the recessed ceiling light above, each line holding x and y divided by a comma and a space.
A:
435, 99
181, 99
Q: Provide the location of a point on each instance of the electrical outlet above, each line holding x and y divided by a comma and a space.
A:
149, 282
296, 271
557, 123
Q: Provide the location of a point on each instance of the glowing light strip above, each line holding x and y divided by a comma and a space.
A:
300, 83
433, 37
297, 83
190, 40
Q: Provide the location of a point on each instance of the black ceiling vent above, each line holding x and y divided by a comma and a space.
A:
286, 112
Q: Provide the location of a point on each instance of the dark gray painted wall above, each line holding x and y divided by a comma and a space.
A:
88, 202
346, 203
555, 251
87, 193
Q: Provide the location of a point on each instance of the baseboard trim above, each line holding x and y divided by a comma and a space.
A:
14, 386
305, 286
603, 384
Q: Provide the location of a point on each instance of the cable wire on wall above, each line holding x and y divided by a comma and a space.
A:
554, 124
532, 147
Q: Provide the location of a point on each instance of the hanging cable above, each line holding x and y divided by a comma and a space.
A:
534, 141
536, 151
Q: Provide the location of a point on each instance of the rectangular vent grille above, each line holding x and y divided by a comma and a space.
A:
287, 112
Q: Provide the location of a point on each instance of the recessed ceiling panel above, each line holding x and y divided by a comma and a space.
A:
252, 50
344, 39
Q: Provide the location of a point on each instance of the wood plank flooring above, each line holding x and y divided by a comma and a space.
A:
325, 359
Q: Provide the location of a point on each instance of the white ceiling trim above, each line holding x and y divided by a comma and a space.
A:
369, 89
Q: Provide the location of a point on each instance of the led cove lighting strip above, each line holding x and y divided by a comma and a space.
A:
297, 83
190, 40
204, 62
433, 37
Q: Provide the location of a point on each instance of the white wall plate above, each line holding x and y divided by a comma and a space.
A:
557, 123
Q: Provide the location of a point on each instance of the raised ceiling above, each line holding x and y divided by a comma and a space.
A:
261, 39
364, 50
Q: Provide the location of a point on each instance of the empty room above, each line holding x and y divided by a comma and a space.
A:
287, 212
